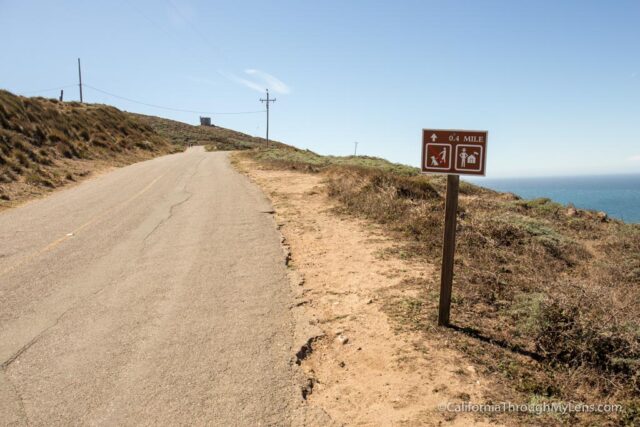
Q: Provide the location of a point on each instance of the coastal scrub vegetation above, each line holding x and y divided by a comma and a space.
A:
545, 295
45, 144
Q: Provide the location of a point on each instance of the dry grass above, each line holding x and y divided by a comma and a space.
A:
545, 297
214, 138
284, 156
45, 144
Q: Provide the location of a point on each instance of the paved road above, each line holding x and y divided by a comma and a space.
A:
154, 294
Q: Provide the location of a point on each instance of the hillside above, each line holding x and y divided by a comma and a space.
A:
545, 295
46, 144
214, 137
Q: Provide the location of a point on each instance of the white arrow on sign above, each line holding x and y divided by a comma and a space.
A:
434, 137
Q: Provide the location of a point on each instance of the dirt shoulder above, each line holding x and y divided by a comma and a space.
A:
364, 368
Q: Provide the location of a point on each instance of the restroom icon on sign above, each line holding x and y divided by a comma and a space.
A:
468, 157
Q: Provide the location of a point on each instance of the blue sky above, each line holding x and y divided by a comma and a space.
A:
556, 84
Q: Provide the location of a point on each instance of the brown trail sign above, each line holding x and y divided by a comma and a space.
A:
458, 152
453, 152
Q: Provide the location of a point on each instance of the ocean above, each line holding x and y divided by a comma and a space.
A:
617, 195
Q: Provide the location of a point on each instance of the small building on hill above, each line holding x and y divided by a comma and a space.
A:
205, 121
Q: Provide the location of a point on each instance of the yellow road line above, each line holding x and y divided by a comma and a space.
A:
56, 242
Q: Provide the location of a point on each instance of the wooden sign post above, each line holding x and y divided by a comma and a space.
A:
455, 153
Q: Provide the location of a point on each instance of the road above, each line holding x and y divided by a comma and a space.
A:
152, 294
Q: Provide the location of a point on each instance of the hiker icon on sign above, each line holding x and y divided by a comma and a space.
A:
442, 158
443, 155
438, 156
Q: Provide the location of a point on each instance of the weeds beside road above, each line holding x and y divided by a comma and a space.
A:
545, 295
46, 144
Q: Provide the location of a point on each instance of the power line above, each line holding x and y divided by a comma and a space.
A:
168, 108
196, 55
48, 90
145, 16
195, 30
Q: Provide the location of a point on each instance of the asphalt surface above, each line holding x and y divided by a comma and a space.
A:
153, 294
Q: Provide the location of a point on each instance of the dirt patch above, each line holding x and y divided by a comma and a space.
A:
542, 308
366, 368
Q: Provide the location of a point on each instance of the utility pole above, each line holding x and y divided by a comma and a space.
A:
355, 150
267, 101
80, 79
61, 95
